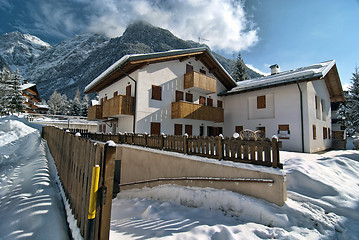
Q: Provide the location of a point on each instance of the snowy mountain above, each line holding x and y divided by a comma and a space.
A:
19, 50
75, 62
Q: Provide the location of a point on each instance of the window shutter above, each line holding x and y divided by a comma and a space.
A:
325, 132
115, 94
209, 101
239, 129
314, 132
179, 96
219, 103
156, 92
189, 97
128, 90
155, 128
189, 68
188, 129
178, 129
261, 102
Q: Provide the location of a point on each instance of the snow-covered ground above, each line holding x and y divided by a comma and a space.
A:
323, 200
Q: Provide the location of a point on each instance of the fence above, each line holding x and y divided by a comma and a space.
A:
75, 158
256, 151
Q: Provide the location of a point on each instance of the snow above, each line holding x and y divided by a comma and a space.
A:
323, 199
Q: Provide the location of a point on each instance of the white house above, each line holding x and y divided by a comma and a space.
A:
294, 105
188, 91
173, 92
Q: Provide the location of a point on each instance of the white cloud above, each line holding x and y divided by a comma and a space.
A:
223, 22
257, 70
346, 86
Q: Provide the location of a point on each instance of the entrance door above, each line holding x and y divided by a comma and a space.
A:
128, 90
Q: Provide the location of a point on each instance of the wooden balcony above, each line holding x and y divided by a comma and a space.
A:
94, 112
200, 82
119, 105
197, 111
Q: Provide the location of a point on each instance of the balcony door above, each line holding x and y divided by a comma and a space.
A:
189, 68
128, 90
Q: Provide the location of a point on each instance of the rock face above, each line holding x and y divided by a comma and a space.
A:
75, 62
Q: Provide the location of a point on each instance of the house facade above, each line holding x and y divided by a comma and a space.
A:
293, 105
174, 92
188, 91
32, 97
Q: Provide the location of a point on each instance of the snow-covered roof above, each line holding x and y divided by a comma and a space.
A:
315, 71
138, 60
26, 86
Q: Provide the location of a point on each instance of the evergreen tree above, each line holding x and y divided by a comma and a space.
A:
4, 92
239, 72
85, 105
349, 110
16, 103
55, 103
75, 104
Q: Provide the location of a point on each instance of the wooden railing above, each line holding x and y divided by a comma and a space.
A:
263, 152
118, 105
197, 111
200, 82
94, 112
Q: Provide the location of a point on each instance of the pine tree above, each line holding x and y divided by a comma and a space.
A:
349, 110
84, 105
75, 104
16, 103
239, 72
55, 103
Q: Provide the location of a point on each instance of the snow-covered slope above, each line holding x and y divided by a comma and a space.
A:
19, 50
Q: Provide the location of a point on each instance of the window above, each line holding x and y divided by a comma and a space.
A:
314, 132
325, 133
283, 131
263, 131
188, 129
201, 130
189, 68
105, 99
100, 128
261, 102
104, 128
239, 129
316, 102
101, 101
219, 103
128, 90
202, 71
328, 133
156, 92
189, 97
155, 128
209, 101
179, 96
115, 93
178, 129
202, 100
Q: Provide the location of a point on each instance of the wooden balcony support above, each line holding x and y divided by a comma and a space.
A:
197, 111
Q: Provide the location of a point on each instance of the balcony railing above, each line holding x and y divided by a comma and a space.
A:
94, 112
200, 82
119, 105
197, 111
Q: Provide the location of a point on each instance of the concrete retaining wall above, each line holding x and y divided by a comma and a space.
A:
138, 164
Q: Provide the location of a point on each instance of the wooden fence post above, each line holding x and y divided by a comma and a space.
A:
107, 188
185, 144
146, 139
220, 147
275, 152
162, 141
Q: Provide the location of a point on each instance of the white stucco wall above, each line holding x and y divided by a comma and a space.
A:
282, 101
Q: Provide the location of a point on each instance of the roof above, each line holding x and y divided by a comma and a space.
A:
26, 86
324, 70
130, 63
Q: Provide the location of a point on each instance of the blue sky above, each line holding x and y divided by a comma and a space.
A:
289, 33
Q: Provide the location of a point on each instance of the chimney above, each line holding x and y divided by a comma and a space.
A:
274, 69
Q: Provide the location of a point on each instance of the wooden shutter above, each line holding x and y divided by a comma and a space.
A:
261, 102
128, 90
239, 129
325, 132
209, 102
155, 128
178, 129
202, 71
189, 97
314, 132
189, 68
188, 129
329, 133
202, 100
115, 93
219, 103
156, 92
179, 96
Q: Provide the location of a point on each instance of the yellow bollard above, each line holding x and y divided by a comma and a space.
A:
93, 194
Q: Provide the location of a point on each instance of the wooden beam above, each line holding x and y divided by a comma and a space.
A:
181, 59
199, 57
